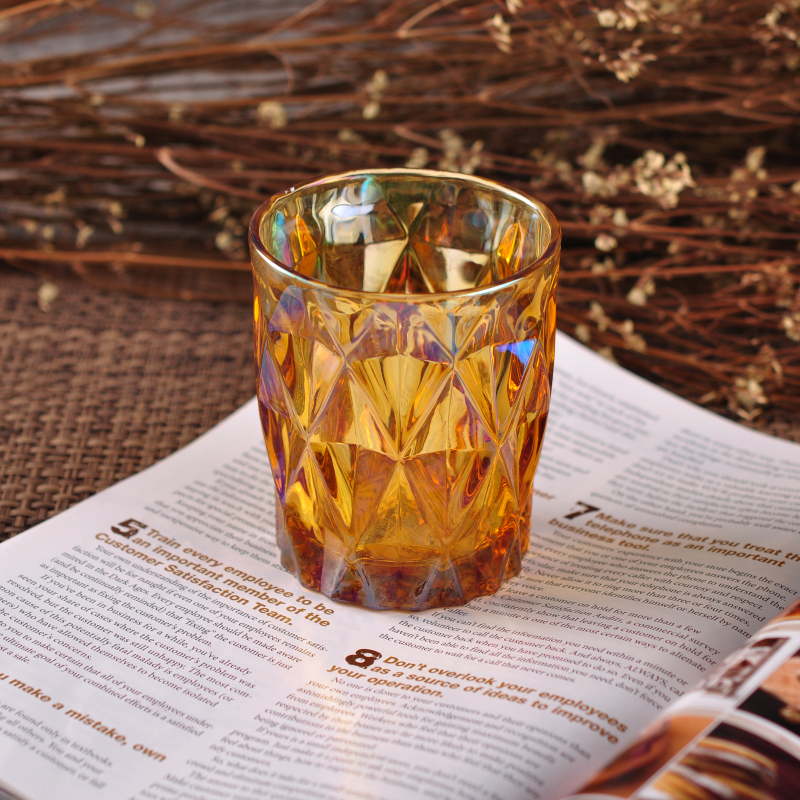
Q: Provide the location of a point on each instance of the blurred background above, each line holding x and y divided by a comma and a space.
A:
137, 138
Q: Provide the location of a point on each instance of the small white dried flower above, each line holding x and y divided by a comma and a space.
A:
664, 180
637, 296
607, 17
375, 89
349, 135
636, 342
457, 157
547, 158
629, 62
595, 184
604, 186
791, 324
642, 9
371, 109
755, 158
603, 267
223, 240
563, 168
515, 5
610, 185
593, 157
620, 218
500, 31
419, 158
652, 161
143, 9
738, 214
583, 333
83, 236
749, 392
272, 113
633, 341
599, 214
598, 315
46, 295
453, 146
771, 22
607, 353
773, 16
55, 198
378, 85
605, 242
451, 140
473, 159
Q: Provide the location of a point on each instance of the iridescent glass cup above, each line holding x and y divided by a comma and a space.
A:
404, 337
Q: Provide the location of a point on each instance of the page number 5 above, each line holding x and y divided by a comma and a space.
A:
128, 528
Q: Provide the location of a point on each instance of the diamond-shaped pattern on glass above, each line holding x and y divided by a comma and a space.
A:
403, 435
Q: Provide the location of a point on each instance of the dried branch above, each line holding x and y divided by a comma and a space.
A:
662, 135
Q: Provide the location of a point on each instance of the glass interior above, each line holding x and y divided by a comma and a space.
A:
404, 233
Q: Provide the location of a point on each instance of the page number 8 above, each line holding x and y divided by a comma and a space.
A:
363, 658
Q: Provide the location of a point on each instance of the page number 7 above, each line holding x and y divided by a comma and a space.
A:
587, 509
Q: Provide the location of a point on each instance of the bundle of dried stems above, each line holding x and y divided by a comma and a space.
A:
138, 137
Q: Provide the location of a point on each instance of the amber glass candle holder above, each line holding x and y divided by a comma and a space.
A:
404, 337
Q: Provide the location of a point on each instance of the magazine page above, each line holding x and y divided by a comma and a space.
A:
152, 647
736, 735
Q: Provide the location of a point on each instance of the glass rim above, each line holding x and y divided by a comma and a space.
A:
515, 195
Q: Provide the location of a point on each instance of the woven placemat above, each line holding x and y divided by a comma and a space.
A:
104, 384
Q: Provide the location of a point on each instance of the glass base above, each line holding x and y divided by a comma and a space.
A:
412, 586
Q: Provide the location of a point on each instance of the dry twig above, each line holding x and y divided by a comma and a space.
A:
138, 139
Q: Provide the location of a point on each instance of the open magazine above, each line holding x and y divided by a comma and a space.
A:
153, 648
